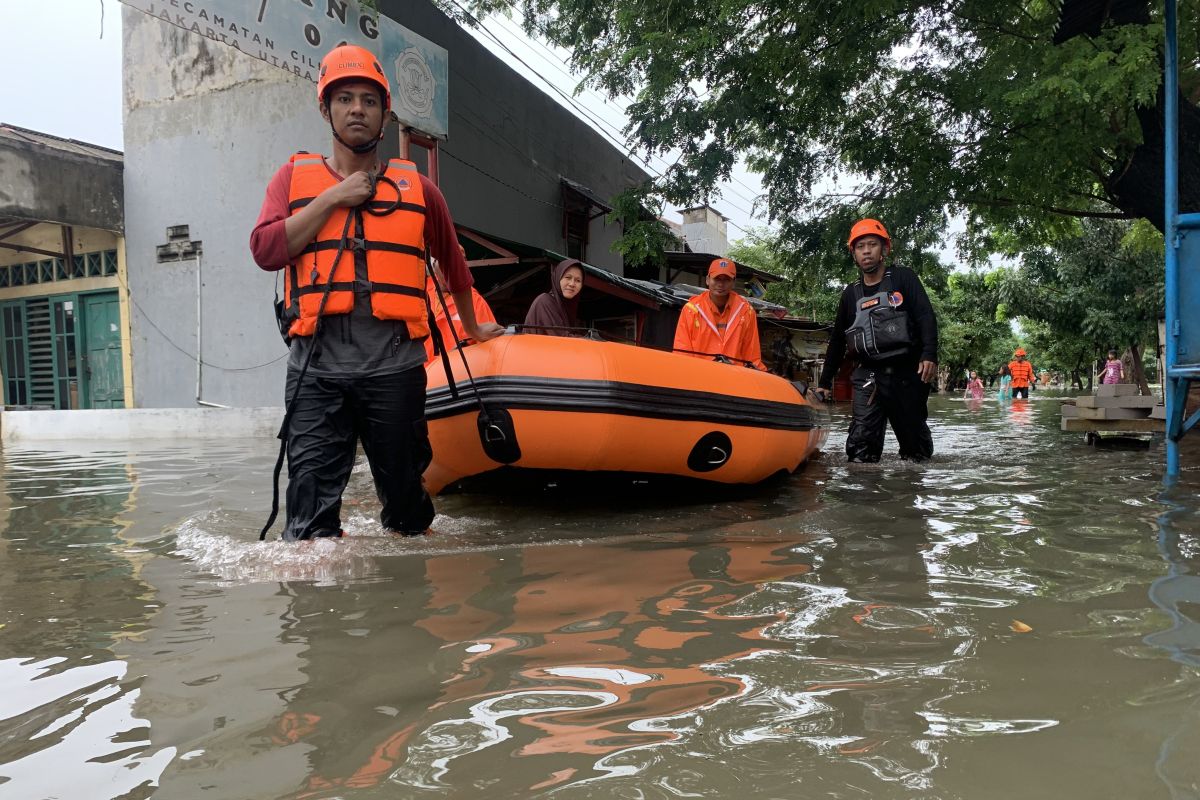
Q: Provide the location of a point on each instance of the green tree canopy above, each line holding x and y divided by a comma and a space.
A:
971, 335
1099, 290
1019, 115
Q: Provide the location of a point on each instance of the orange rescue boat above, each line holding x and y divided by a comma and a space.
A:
556, 403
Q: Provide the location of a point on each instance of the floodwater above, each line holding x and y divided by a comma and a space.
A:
1018, 618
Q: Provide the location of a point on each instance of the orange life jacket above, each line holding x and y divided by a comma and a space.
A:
1022, 373
732, 333
394, 245
483, 313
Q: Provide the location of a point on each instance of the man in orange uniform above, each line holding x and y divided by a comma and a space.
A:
1022, 373
719, 322
354, 305
483, 312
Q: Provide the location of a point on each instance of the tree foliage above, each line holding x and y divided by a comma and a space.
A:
1101, 289
912, 109
1099, 284
971, 334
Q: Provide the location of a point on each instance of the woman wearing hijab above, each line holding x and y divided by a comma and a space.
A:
555, 313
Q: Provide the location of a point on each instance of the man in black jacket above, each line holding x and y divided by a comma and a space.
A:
896, 352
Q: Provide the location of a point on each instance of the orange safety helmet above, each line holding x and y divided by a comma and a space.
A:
350, 61
1020, 351
868, 227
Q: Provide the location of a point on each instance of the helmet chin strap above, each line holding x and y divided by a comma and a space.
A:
873, 269
357, 149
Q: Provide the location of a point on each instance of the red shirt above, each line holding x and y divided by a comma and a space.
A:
268, 240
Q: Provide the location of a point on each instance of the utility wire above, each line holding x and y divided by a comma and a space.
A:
191, 356
578, 107
566, 70
590, 115
500, 181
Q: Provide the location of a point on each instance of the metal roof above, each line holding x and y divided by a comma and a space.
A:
697, 264
20, 135
667, 295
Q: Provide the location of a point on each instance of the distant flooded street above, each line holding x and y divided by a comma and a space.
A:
1018, 618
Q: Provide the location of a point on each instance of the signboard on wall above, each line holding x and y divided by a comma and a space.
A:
293, 35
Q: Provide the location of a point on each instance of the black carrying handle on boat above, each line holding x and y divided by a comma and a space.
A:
496, 431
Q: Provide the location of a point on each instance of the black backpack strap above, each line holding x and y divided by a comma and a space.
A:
886, 284
860, 288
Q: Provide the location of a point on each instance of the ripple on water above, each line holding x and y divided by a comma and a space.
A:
842, 634
72, 727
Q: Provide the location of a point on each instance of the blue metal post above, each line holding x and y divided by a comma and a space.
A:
1171, 395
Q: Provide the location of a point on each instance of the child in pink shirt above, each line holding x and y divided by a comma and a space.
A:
1114, 371
974, 387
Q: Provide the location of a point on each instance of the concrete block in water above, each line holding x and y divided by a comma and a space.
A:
1124, 401
1125, 425
1116, 390
129, 424
1113, 413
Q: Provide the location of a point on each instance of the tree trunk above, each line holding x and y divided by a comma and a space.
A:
1137, 186
1137, 373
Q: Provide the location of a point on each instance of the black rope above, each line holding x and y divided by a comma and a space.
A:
439, 344
316, 345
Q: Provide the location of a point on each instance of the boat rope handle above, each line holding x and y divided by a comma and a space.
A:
459, 345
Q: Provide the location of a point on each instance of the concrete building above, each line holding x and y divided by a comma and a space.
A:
63, 318
705, 230
206, 126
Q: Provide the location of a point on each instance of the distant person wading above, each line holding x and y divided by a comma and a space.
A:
1022, 373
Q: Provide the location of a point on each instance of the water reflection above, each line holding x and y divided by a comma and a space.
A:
848, 632
66, 572
1178, 594
552, 654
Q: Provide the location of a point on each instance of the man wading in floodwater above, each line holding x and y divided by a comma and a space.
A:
369, 224
886, 324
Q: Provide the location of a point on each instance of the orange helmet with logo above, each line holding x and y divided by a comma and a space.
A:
868, 227
1020, 351
351, 62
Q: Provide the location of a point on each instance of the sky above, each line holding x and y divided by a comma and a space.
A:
77, 92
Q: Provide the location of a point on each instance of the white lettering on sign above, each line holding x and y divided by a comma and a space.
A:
294, 35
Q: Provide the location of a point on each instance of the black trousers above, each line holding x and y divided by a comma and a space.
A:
385, 412
1020, 391
894, 395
